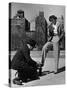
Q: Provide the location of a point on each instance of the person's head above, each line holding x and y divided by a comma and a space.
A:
20, 13
31, 44
41, 14
53, 19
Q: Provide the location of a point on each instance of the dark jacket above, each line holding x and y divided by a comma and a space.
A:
60, 31
22, 59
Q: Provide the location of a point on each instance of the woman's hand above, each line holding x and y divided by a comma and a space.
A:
55, 39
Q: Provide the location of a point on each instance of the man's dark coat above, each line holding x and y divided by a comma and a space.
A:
22, 59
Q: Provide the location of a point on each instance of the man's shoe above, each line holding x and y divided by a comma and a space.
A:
17, 81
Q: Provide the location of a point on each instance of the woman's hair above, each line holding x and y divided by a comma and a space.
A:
52, 17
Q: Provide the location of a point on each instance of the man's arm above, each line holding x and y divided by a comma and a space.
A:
28, 58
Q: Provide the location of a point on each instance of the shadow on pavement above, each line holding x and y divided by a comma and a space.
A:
48, 72
61, 69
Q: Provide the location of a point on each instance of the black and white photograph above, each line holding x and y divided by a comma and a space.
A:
36, 44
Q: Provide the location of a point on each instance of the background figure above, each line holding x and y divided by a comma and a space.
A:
41, 30
55, 36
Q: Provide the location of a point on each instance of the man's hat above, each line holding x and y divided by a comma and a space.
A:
31, 42
52, 17
20, 11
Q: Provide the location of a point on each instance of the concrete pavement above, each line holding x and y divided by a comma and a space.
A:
49, 79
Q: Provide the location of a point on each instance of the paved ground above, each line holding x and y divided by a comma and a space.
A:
49, 79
